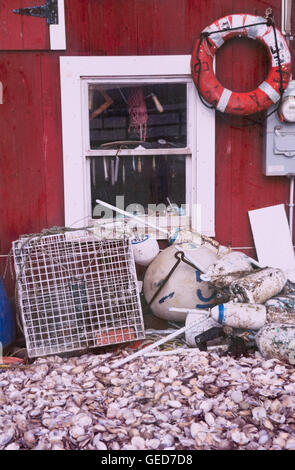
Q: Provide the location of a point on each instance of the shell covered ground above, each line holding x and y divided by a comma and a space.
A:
197, 400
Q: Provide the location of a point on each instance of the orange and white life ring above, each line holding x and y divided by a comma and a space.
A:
268, 92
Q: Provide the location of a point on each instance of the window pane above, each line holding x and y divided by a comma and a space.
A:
154, 114
141, 181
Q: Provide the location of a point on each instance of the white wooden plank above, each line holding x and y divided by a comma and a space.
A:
204, 170
57, 32
114, 66
73, 162
272, 237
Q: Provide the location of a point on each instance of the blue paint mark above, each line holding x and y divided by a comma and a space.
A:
134, 242
202, 306
204, 299
198, 276
173, 238
161, 301
221, 313
287, 302
159, 283
200, 295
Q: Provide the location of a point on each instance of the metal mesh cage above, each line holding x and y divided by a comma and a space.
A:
76, 292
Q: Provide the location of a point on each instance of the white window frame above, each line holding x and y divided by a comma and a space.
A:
75, 73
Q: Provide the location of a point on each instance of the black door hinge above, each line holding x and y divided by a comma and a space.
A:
48, 11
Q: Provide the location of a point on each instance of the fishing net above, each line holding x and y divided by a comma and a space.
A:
138, 112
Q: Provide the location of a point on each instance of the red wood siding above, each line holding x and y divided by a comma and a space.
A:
31, 178
20, 31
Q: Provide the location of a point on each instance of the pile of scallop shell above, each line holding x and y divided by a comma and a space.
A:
200, 400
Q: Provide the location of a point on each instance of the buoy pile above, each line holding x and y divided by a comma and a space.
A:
238, 298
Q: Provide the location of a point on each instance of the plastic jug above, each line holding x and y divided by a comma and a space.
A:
240, 315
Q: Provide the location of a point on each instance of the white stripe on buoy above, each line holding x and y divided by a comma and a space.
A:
258, 30
238, 21
270, 91
285, 56
224, 99
216, 38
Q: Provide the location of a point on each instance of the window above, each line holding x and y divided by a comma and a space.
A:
130, 138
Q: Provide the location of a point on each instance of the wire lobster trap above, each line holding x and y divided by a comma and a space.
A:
75, 291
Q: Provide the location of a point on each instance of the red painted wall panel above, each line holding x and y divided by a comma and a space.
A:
31, 177
20, 32
110, 20
241, 66
22, 188
22, 183
52, 140
77, 26
11, 25
35, 30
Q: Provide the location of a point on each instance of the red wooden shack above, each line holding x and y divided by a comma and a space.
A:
31, 151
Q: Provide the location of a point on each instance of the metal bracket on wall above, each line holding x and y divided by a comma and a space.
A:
269, 13
48, 11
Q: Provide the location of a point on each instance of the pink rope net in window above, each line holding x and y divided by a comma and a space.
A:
137, 112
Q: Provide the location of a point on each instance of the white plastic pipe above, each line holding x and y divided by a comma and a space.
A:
160, 332
188, 310
127, 214
143, 351
173, 352
283, 14
286, 17
177, 351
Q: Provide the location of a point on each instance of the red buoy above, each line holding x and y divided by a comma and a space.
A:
268, 92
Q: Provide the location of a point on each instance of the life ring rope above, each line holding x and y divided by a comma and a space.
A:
206, 39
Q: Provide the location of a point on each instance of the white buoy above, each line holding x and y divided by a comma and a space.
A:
145, 251
239, 315
232, 262
277, 341
184, 288
196, 325
259, 286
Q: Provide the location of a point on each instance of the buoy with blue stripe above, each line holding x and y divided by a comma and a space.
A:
185, 288
145, 250
240, 315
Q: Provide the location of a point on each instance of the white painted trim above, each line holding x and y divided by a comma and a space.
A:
127, 66
205, 167
286, 14
138, 151
201, 128
57, 32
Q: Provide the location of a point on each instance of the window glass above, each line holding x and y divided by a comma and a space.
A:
153, 185
151, 114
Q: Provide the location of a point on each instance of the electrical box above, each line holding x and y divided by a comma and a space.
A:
279, 138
